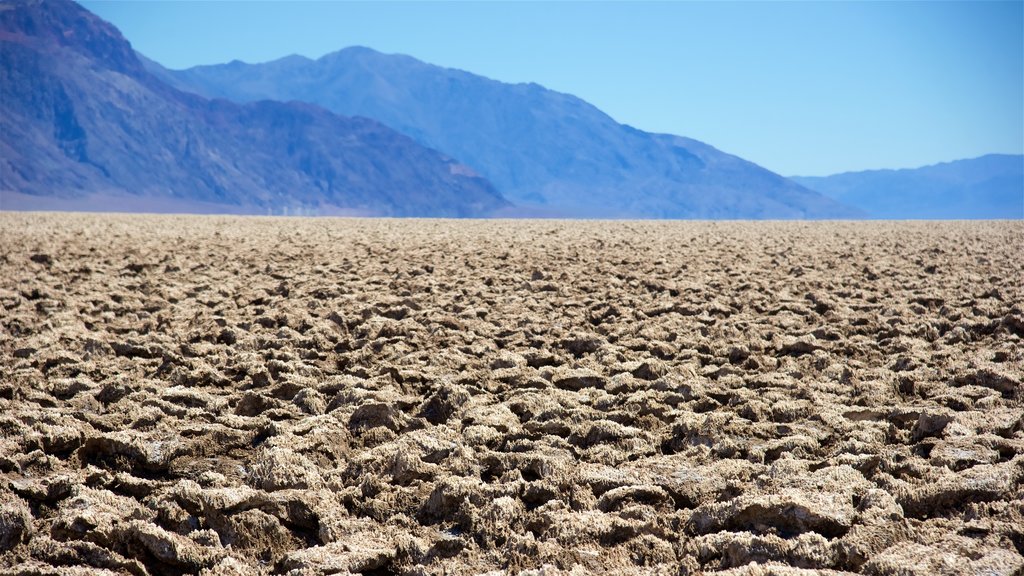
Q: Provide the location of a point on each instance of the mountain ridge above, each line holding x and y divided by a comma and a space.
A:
542, 149
989, 186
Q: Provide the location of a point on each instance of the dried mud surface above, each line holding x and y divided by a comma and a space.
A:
231, 396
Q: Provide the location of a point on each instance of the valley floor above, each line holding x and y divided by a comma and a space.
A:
228, 395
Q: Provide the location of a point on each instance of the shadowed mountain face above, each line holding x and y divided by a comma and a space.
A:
544, 150
991, 186
85, 125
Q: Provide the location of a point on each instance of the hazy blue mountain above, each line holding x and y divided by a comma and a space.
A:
548, 152
991, 186
84, 125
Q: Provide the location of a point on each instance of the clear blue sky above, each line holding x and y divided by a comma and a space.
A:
802, 88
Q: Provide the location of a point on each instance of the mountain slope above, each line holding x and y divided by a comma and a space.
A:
84, 124
539, 147
991, 186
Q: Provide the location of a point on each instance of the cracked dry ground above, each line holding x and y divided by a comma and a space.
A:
283, 396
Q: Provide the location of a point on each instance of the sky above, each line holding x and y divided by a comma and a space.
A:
802, 88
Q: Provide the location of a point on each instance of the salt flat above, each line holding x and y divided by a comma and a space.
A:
266, 395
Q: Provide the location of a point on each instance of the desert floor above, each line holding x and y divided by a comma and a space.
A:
325, 396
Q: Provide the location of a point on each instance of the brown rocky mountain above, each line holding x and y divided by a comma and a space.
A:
84, 125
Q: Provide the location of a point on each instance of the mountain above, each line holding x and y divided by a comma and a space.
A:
549, 152
84, 124
991, 186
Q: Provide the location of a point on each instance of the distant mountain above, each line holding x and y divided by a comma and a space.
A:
551, 153
991, 186
84, 125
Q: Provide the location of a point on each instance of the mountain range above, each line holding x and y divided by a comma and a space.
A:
83, 124
547, 152
991, 186
86, 123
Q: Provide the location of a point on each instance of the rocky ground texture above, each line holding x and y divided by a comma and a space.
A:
225, 396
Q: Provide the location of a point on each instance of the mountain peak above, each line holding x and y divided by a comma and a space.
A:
293, 59
366, 56
358, 49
